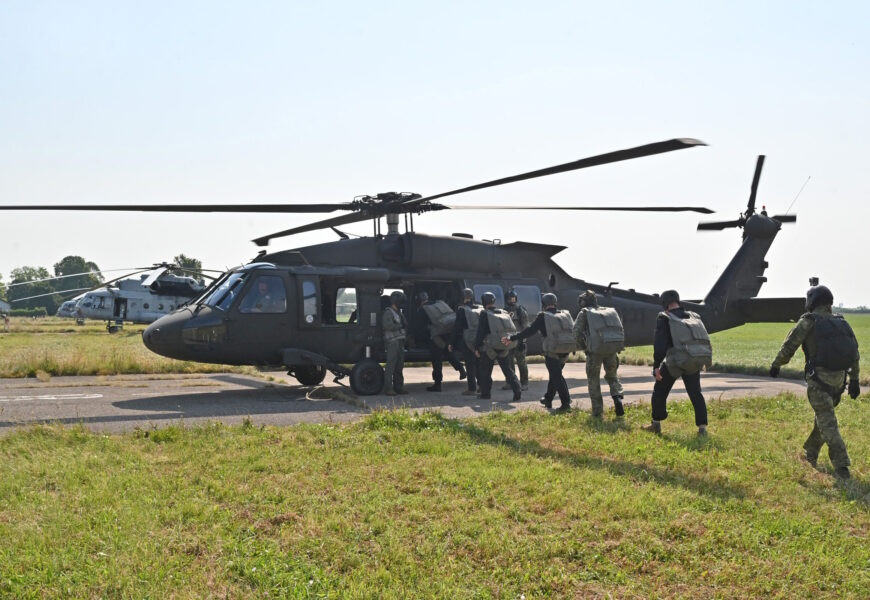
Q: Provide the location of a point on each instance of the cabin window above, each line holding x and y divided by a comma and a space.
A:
346, 305
529, 297
481, 288
266, 295
146, 306
309, 300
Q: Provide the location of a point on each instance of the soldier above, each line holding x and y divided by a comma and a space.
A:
599, 332
434, 320
464, 332
492, 344
555, 327
681, 349
831, 351
520, 317
395, 326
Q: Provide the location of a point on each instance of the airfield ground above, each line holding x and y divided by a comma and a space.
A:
126, 402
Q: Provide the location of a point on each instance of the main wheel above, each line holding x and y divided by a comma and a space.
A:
367, 377
309, 374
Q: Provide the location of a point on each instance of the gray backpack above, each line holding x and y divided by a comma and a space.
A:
605, 334
560, 333
441, 318
472, 319
692, 350
500, 326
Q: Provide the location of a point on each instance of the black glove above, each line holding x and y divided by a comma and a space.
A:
854, 389
774, 371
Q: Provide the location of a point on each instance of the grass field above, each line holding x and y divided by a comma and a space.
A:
528, 505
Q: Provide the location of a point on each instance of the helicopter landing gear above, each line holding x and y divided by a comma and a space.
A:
309, 374
114, 327
367, 377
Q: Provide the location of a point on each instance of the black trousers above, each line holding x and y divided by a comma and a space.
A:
485, 365
556, 382
439, 355
471, 366
662, 388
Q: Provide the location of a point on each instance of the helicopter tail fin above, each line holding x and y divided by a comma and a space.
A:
732, 299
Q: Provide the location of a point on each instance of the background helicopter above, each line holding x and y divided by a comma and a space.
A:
288, 308
141, 297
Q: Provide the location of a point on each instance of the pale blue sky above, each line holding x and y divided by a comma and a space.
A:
113, 102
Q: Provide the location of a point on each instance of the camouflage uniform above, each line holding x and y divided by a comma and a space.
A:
594, 363
520, 317
824, 390
394, 325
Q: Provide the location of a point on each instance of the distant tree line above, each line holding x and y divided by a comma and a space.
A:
34, 288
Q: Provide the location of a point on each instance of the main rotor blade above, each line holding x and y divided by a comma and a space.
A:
592, 161
719, 225
785, 218
697, 209
153, 277
60, 277
750, 207
333, 222
61, 293
195, 208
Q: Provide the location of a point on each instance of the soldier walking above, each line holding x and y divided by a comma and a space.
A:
492, 345
831, 352
599, 332
681, 349
463, 336
517, 356
434, 320
555, 327
395, 327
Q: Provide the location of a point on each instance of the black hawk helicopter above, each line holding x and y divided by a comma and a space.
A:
318, 308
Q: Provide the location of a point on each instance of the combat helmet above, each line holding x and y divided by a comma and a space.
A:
488, 299
587, 298
509, 294
549, 299
468, 294
397, 298
423, 296
668, 297
819, 295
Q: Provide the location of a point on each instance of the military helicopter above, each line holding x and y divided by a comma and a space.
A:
156, 291
318, 308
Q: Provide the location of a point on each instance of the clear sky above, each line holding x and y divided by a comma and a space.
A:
229, 102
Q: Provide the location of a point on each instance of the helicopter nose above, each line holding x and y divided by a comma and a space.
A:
164, 337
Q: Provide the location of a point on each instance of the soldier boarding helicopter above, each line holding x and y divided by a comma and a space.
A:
282, 308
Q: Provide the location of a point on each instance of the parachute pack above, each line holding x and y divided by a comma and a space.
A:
500, 326
605, 332
472, 319
560, 334
441, 318
692, 350
836, 345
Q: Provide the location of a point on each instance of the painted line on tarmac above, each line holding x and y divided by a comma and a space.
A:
50, 397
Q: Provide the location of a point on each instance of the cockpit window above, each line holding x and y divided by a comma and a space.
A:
266, 295
225, 291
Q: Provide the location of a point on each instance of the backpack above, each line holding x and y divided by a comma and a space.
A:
836, 346
692, 350
441, 318
605, 333
472, 320
500, 325
560, 333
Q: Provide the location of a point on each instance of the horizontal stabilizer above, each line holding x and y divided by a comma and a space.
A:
771, 310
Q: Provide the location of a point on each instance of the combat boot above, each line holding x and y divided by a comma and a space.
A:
702, 430
435, 387
564, 407
811, 457
518, 396
462, 374
617, 406
524, 386
548, 403
654, 427
842, 473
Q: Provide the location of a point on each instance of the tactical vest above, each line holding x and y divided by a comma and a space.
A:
472, 320
441, 318
393, 325
836, 346
604, 331
500, 325
560, 333
692, 350
516, 312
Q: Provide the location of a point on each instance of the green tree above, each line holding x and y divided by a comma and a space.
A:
86, 273
2, 287
189, 266
44, 289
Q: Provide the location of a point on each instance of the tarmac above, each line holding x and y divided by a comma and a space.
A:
127, 402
